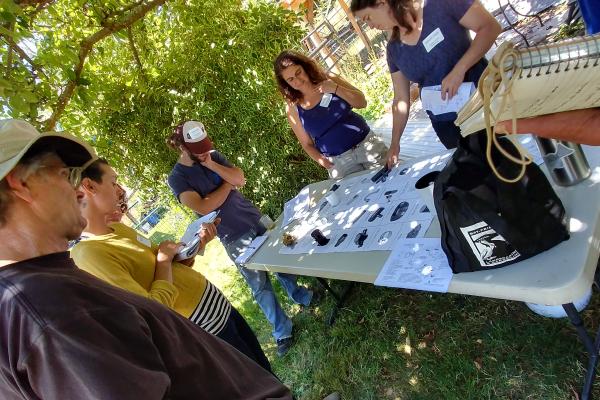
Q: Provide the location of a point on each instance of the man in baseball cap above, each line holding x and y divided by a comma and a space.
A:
69, 335
19, 138
204, 180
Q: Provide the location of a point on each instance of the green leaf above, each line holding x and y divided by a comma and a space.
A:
28, 96
18, 104
83, 81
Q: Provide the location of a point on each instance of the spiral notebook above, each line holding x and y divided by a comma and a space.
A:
534, 81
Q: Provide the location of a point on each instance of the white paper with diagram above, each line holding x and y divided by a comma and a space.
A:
370, 215
418, 264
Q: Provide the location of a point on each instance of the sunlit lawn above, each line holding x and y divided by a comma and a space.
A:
400, 344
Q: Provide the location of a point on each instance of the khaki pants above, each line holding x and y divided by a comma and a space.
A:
369, 153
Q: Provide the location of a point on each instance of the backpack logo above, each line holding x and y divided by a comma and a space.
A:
489, 247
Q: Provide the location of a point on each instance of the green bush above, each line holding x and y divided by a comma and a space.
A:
376, 84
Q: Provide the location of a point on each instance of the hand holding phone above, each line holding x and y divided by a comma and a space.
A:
192, 237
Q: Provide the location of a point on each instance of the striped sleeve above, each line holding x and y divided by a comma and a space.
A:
212, 311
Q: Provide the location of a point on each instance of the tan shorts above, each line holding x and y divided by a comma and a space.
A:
369, 153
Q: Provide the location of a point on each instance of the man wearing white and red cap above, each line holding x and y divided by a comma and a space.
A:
68, 335
205, 181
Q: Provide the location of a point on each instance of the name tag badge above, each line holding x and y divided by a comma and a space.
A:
325, 100
144, 241
433, 39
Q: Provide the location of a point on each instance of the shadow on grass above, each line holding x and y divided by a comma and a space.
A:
389, 344
402, 344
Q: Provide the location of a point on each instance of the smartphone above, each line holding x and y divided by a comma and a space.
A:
191, 237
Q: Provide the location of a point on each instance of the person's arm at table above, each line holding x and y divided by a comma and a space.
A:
579, 126
400, 109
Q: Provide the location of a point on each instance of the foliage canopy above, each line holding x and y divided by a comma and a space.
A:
122, 73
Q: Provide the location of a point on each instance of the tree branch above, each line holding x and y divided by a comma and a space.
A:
9, 56
23, 56
136, 55
106, 20
25, 3
42, 5
86, 47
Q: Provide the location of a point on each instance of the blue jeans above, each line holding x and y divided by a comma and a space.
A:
262, 290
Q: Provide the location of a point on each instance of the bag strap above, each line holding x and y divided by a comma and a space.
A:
499, 76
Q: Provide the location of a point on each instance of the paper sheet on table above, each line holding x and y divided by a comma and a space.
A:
251, 249
297, 207
370, 216
416, 264
431, 98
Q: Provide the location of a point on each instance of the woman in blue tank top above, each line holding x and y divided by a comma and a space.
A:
430, 45
319, 110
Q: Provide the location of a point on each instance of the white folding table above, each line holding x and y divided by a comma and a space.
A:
559, 276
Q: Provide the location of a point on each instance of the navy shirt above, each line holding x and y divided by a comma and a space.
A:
238, 215
334, 129
429, 68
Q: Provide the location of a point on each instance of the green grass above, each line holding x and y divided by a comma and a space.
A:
400, 344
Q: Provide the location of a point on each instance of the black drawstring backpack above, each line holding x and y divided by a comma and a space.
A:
487, 223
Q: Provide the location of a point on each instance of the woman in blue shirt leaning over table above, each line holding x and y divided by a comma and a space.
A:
319, 110
430, 45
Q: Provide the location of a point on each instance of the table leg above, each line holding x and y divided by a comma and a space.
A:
592, 347
340, 298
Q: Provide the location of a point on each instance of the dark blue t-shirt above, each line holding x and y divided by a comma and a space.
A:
238, 215
429, 68
335, 129
590, 11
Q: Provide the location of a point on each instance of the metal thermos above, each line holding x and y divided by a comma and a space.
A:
565, 161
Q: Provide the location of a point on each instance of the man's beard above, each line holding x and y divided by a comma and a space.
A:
195, 158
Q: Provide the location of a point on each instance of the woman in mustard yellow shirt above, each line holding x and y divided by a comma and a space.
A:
119, 255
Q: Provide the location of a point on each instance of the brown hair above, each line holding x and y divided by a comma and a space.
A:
123, 206
93, 171
288, 58
400, 9
176, 142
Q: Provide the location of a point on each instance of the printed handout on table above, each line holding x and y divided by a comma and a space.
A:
370, 215
418, 264
297, 207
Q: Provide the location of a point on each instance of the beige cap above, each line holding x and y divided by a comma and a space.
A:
17, 137
195, 137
